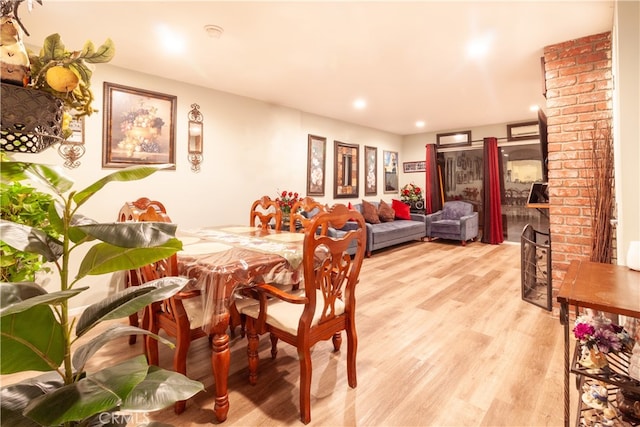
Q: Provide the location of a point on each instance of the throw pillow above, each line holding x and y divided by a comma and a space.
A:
370, 213
401, 209
351, 208
385, 212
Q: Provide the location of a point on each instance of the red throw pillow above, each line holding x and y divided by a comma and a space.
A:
401, 209
352, 208
385, 212
370, 213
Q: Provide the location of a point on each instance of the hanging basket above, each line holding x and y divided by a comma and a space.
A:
31, 119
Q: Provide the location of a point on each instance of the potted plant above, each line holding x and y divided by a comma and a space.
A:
25, 205
37, 331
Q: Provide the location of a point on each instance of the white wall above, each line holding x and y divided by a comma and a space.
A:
626, 68
251, 148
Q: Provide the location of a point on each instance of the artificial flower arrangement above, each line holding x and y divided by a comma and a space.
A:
411, 193
599, 336
286, 201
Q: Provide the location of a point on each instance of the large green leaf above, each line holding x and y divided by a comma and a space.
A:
29, 239
15, 397
129, 301
160, 389
98, 392
15, 292
131, 173
105, 258
131, 234
52, 176
84, 352
18, 297
31, 340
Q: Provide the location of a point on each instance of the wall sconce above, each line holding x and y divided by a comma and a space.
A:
72, 148
195, 137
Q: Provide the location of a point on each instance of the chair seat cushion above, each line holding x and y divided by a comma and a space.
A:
286, 316
446, 226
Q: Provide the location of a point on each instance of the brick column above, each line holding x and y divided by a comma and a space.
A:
579, 85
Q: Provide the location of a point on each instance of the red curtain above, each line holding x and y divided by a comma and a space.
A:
433, 189
492, 205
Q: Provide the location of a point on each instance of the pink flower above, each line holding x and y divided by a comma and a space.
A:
583, 331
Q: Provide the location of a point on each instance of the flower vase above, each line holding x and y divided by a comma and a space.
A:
286, 219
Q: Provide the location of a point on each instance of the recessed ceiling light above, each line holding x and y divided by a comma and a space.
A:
214, 31
420, 124
479, 47
171, 41
359, 104
534, 108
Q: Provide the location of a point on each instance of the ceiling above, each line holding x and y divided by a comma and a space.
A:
407, 59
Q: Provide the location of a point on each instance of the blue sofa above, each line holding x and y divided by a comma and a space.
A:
390, 233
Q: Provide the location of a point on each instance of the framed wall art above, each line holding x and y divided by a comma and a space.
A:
138, 127
345, 174
316, 165
371, 171
390, 164
454, 139
409, 167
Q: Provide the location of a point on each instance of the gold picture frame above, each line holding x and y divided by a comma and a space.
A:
138, 127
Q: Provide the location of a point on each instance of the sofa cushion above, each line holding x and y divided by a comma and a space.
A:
386, 212
448, 226
401, 209
370, 213
400, 229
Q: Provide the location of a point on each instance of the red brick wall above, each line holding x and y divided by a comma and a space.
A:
579, 93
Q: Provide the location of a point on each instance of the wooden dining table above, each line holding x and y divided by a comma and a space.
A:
223, 259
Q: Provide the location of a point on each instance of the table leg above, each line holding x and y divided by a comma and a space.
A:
220, 359
564, 320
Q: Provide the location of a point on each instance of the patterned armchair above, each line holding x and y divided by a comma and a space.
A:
456, 221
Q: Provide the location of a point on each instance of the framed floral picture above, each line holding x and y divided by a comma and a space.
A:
138, 127
315, 165
371, 171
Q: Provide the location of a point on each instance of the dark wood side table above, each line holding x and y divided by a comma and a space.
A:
604, 287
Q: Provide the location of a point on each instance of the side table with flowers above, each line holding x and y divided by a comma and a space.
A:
602, 361
411, 194
286, 200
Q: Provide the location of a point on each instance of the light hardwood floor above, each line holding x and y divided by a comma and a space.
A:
444, 339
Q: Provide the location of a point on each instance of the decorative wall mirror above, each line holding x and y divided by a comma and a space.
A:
390, 171
345, 174
195, 137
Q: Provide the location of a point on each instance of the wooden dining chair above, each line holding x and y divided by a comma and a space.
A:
180, 316
266, 213
324, 306
302, 213
131, 211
